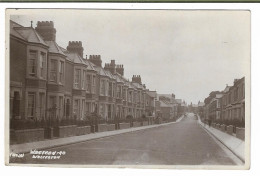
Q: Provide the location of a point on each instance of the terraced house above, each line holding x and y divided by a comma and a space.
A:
227, 106
48, 81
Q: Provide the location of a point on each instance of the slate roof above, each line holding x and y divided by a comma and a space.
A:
90, 65
28, 34
152, 94
109, 74
179, 101
74, 57
164, 104
54, 47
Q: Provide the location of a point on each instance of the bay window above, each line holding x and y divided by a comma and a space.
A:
42, 104
77, 79
93, 84
42, 64
31, 105
102, 87
61, 72
53, 71
88, 83
84, 77
32, 63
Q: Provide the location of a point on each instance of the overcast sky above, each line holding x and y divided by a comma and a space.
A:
188, 53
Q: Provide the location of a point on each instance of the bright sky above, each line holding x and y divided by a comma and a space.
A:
188, 53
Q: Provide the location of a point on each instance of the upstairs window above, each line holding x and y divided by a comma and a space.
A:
61, 72
32, 63
77, 79
84, 80
53, 71
110, 90
118, 92
42, 64
124, 94
102, 87
88, 83
94, 84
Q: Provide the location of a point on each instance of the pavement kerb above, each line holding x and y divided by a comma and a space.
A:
221, 141
29, 146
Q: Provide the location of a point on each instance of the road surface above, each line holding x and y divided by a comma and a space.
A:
183, 143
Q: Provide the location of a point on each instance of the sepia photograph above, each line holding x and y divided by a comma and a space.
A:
128, 88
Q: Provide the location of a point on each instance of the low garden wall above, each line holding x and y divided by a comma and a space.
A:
240, 133
28, 135
102, 127
111, 127
124, 125
65, 131
223, 127
145, 123
136, 124
82, 130
230, 129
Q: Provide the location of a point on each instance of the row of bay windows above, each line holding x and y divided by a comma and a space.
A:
84, 80
36, 106
37, 67
37, 64
59, 107
235, 113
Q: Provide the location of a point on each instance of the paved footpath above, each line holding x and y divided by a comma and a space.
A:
27, 147
237, 146
183, 143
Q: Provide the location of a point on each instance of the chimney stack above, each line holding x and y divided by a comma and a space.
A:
111, 66
120, 69
137, 79
75, 47
96, 59
46, 30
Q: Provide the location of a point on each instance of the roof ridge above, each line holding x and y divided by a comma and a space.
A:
16, 23
38, 36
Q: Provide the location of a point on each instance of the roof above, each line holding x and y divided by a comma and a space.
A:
183, 104
120, 79
179, 101
194, 105
219, 95
226, 89
166, 95
164, 104
109, 74
28, 34
201, 104
152, 94
14, 32
137, 85
74, 57
54, 48
100, 71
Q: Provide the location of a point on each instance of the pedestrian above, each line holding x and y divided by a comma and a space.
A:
209, 122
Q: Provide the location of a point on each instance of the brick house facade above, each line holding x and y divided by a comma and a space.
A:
48, 81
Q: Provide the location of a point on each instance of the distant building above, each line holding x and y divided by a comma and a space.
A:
169, 99
227, 106
233, 99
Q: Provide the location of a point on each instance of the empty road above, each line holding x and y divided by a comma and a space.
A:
183, 143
